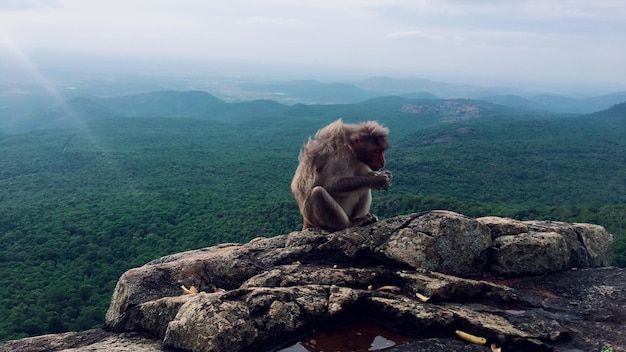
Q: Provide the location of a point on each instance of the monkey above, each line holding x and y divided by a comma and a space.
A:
337, 171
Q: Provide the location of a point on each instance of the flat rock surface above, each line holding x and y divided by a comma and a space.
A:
584, 310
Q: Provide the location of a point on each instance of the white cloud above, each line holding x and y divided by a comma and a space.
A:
271, 21
413, 34
497, 37
22, 5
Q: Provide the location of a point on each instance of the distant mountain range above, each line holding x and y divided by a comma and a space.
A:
558, 104
314, 92
202, 105
230, 101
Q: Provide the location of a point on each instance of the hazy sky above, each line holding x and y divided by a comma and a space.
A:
478, 41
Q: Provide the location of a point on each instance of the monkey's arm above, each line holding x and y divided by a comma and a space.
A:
348, 184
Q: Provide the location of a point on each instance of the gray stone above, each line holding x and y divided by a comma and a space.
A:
424, 275
529, 254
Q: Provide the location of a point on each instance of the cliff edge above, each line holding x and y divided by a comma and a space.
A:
519, 285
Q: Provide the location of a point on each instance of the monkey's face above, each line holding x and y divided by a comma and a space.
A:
377, 159
372, 152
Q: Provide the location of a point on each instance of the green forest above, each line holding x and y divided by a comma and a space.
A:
81, 204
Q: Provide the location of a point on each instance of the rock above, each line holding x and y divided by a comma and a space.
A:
424, 275
441, 241
529, 254
534, 247
503, 226
86, 341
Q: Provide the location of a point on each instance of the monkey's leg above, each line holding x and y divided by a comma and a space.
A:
321, 210
362, 216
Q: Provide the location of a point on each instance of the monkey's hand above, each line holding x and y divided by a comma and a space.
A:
387, 179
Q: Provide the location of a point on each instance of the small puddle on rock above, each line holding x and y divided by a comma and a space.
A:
353, 336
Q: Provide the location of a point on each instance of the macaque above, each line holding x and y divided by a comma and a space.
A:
336, 173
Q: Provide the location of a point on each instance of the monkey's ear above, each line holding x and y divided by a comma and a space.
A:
355, 140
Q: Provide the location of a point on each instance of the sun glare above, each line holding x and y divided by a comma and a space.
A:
33, 73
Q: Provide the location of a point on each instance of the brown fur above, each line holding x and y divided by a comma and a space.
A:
336, 173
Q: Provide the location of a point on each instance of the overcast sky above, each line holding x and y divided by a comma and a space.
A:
477, 41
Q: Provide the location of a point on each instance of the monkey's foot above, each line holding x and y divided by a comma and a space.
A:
366, 220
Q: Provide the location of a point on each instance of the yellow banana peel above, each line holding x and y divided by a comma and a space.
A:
189, 291
471, 338
422, 297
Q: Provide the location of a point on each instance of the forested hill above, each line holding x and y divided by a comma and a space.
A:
201, 105
82, 204
615, 114
553, 160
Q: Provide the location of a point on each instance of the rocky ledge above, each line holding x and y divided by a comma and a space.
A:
519, 286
